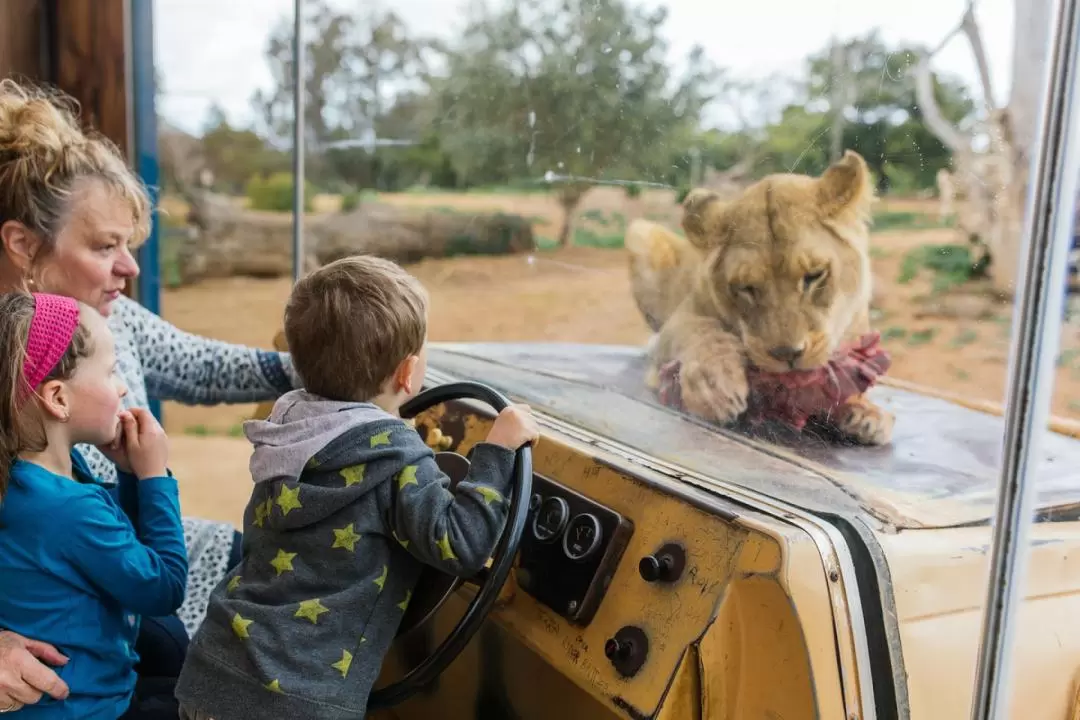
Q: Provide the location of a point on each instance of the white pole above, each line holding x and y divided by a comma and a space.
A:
1048, 224
298, 141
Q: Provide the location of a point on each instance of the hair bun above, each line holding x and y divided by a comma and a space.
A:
36, 123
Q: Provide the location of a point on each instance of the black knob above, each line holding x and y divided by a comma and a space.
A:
616, 650
627, 650
666, 565
534, 502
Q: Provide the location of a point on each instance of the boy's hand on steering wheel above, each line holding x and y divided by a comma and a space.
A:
514, 427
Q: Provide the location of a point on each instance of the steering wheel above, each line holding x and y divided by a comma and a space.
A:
435, 587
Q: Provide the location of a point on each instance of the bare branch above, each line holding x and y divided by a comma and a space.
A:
947, 39
931, 113
970, 28
928, 106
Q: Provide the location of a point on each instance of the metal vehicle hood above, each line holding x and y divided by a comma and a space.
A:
940, 470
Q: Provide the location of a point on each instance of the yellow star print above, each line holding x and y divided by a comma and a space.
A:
382, 438
273, 686
262, 512
240, 626
345, 538
233, 584
289, 499
311, 610
490, 495
407, 477
282, 562
445, 549
353, 475
403, 543
404, 604
344, 663
381, 580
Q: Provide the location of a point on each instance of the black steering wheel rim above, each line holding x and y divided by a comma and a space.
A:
502, 559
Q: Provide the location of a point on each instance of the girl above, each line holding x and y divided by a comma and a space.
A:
80, 563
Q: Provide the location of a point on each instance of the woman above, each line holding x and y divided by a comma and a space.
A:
71, 213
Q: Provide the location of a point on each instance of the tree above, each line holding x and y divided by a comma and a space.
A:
356, 67
234, 155
878, 114
577, 88
992, 183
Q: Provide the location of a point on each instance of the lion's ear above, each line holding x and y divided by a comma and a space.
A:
701, 208
845, 187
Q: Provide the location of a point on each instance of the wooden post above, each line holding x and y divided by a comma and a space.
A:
89, 63
21, 50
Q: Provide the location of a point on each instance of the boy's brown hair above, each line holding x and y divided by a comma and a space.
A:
350, 324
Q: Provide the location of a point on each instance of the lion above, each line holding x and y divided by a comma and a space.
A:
778, 277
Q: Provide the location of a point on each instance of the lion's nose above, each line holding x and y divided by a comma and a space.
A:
786, 354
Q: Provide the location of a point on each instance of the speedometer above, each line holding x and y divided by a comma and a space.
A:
550, 519
583, 536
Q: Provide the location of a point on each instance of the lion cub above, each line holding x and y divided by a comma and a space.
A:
777, 277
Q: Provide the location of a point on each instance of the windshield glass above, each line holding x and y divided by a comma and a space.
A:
799, 222
788, 215
509, 152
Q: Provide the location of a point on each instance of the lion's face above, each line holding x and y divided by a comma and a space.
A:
786, 263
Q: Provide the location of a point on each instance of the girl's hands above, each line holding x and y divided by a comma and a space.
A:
141, 446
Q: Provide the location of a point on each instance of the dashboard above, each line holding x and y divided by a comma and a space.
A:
625, 581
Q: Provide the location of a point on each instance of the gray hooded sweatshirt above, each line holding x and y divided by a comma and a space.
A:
348, 505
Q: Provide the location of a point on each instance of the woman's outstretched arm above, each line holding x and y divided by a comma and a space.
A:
195, 370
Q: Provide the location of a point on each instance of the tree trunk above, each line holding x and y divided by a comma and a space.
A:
837, 94
991, 185
1031, 25
569, 197
227, 240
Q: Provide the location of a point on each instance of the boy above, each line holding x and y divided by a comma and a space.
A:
348, 504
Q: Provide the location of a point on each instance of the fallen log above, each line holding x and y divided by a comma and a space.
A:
407, 236
227, 240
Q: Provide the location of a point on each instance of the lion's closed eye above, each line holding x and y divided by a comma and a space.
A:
814, 279
747, 292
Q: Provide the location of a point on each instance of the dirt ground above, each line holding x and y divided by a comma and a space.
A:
583, 295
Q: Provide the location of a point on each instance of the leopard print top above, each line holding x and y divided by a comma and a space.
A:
156, 359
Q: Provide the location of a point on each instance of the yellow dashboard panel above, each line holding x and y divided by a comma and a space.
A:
659, 580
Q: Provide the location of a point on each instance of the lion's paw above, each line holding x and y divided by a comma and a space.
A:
714, 391
866, 423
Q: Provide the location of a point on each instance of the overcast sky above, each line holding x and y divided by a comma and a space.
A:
204, 60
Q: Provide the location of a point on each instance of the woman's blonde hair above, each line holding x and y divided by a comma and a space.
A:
44, 153
21, 428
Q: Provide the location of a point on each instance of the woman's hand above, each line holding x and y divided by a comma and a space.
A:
24, 677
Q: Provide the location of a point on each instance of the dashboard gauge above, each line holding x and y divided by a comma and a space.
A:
550, 519
583, 537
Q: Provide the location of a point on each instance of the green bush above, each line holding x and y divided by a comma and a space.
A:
951, 265
350, 201
275, 193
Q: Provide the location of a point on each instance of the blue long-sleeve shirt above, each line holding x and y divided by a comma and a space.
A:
79, 564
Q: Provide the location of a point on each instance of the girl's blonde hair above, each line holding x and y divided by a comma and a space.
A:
44, 154
21, 428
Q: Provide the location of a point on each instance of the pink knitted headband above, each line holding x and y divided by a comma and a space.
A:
56, 318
